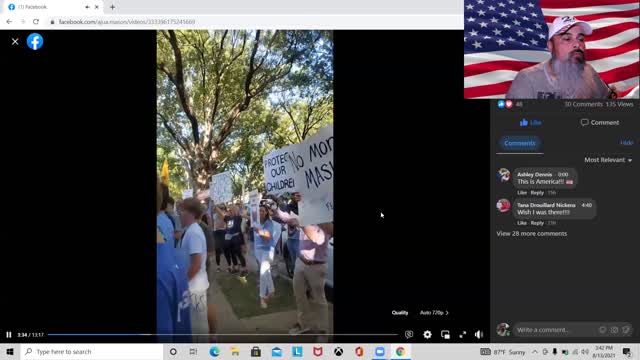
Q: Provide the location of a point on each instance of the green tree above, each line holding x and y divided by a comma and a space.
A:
306, 98
211, 81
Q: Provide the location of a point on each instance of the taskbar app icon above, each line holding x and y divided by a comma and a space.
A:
400, 352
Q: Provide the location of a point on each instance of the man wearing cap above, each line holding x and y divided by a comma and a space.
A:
566, 75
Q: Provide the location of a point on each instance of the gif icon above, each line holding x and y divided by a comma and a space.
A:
485, 351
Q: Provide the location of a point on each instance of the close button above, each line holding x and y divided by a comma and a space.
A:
14, 41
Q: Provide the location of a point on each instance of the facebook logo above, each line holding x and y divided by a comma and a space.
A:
35, 41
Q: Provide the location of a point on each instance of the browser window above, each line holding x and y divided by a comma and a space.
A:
488, 214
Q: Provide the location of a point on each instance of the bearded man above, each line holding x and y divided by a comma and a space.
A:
566, 75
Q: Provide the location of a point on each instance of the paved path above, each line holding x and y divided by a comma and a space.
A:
273, 323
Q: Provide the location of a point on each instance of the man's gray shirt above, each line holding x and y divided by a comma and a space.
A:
535, 83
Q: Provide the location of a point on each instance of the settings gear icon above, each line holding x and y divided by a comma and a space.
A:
426, 334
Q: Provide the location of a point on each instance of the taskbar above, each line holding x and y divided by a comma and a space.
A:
317, 351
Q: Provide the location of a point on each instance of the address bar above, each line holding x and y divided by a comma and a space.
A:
124, 21
260, 21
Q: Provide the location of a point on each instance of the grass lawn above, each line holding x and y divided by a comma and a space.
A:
242, 294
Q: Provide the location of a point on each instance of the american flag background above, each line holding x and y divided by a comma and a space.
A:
502, 37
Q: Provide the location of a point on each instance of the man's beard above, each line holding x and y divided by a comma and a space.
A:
572, 82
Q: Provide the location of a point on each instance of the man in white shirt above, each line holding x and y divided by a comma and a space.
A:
195, 245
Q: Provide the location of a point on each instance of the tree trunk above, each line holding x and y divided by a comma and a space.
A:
201, 171
191, 176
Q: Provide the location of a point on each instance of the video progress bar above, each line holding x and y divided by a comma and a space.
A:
273, 334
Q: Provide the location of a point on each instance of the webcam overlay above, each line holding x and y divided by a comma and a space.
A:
551, 49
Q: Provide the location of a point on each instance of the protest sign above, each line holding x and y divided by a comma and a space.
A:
254, 209
188, 193
278, 174
220, 189
245, 198
306, 168
312, 163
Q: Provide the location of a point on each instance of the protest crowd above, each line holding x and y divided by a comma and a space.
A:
197, 239
263, 123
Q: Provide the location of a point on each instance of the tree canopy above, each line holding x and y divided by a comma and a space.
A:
227, 98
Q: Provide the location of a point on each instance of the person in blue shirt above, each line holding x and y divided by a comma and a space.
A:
165, 223
264, 248
293, 232
194, 245
175, 219
173, 301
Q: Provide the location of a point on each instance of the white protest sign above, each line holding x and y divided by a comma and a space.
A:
220, 189
312, 163
245, 198
278, 173
254, 209
188, 193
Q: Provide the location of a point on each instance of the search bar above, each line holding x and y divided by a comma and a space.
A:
91, 351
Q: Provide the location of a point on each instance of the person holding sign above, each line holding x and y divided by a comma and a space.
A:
309, 274
264, 250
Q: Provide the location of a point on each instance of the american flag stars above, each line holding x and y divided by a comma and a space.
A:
496, 22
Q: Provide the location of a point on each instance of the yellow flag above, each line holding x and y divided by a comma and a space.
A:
164, 174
